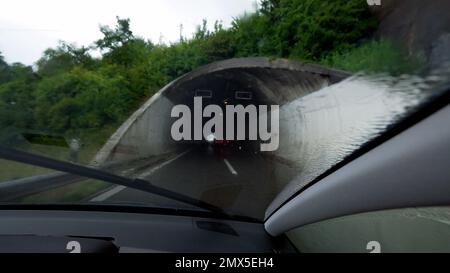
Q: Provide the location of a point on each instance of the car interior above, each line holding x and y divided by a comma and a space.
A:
252, 128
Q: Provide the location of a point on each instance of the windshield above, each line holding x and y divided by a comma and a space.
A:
239, 111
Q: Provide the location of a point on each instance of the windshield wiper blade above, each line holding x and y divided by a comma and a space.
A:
88, 172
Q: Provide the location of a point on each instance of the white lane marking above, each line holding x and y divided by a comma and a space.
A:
117, 189
232, 170
108, 194
154, 169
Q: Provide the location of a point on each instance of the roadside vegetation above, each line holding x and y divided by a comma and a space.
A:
72, 94
375, 56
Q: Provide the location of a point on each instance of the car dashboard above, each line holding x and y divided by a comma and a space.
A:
76, 231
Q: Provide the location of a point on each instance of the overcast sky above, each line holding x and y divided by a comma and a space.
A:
28, 27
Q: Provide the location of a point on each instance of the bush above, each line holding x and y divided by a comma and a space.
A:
81, 99
311, 29
375, 57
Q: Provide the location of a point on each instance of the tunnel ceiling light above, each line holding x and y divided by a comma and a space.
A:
243, 95
207, 94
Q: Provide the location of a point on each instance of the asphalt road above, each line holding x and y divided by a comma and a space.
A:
241, 182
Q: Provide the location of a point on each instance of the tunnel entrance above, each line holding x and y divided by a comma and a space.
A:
231, 173
226, 123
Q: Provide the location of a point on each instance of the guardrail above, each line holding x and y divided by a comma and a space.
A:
15, 189
19, 188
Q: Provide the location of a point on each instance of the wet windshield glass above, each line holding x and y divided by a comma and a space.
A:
239, 111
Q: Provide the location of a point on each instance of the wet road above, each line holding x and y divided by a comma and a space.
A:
241, 182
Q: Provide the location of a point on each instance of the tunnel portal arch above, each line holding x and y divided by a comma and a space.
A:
146, 133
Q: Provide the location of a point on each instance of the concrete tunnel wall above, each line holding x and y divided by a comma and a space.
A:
147, 132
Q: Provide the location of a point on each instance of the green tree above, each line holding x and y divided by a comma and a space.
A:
4, 70
310, 29
218, 45
17, 99
81, 99
117, 37
63, 58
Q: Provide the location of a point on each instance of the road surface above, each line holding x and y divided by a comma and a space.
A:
241, 182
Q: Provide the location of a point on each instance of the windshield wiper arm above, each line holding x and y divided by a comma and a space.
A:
45, 162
